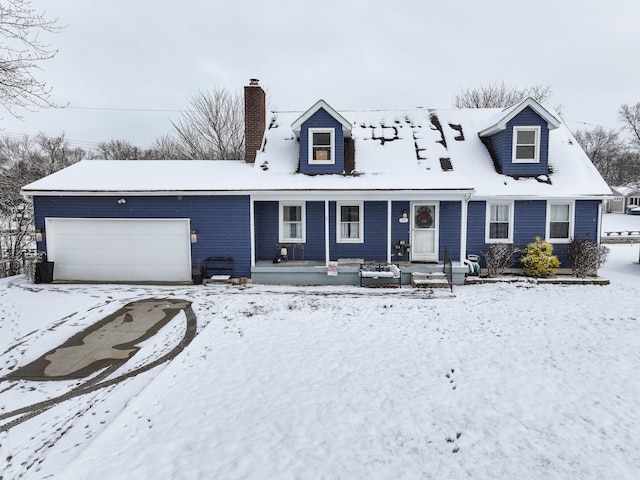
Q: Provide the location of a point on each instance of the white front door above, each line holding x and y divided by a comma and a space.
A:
424, 232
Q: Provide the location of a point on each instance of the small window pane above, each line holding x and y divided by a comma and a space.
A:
295, 230
559, 230
322, 139
526, 137
499, 213
525, 152
350, 230
560, 213
499, 230
321, 153
350, 213
292, 213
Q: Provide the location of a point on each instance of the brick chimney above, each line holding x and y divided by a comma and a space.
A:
254, 119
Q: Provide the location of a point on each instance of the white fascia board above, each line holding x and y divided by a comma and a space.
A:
365, 195
511, 112
297, 124
129, 193
381, 195
506, 198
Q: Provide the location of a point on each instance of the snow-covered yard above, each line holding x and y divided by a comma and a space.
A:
495, 381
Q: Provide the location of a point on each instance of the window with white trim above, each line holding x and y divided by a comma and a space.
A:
526, 144
349, 218
292, 222
559, 222
321, 145
499, 223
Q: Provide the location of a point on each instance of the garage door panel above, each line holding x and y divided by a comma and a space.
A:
119, 249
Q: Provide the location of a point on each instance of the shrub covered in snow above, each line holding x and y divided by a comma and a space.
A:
499, 257
586, 257
538, 259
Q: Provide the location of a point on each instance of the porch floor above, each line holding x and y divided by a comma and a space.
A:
309, 272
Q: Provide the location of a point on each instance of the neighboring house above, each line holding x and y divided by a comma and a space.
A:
623, 197
330, 187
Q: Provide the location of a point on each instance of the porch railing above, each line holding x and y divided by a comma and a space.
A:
448, 268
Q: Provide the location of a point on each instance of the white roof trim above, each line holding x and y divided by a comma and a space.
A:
296, 125
509, 113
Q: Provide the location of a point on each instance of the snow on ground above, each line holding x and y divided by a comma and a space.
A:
495, 381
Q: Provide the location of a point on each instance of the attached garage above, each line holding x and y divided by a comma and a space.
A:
114, 249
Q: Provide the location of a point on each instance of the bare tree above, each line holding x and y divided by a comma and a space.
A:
629, 116
607, 151
499, 95
212, 128
21, 53
119, 150
164, 148
24, 161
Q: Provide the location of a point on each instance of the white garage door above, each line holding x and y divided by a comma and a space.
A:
109, 249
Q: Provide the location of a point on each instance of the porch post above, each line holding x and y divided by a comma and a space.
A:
252, 231
463, 229
388, 231
326, 233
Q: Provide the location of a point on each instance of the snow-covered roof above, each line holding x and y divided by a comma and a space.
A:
414, 150
626, 190
500, 119
297, 123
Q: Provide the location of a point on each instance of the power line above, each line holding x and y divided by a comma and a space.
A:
123, 109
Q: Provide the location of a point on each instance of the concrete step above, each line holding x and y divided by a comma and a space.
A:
429, 280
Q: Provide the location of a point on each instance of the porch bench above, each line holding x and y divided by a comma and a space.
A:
218, 268
380, 270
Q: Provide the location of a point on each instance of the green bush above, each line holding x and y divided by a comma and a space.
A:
538, 259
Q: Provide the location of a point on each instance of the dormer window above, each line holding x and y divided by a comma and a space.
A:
321, 145
526, 144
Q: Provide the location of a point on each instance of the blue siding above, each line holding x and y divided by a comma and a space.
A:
314, 248
530, 217
222, 222
400, 231
585, 227
476, 216
374, 247
501, 145
586, 220
321, 119
267, 231
450, 222
529, 221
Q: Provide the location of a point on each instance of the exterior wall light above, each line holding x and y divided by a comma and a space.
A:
122, 201
404, 218
194, 236
39, 235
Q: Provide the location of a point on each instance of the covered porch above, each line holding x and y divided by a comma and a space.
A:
305, 272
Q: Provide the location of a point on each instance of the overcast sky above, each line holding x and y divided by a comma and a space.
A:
156, 54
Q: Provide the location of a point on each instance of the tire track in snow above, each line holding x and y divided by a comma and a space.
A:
98, 382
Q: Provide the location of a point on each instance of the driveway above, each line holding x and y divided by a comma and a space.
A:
97, 352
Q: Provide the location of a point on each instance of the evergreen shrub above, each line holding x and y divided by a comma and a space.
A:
538, 259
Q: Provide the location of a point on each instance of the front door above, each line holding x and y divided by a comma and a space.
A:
424, 232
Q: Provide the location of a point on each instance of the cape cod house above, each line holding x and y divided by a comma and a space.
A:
329, 187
